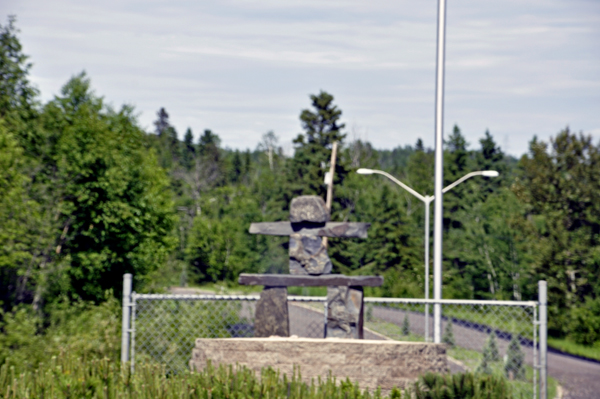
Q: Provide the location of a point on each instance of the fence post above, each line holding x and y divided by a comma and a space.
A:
125, 329
543, 299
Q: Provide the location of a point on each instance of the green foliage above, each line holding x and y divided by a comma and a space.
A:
68, 376
515, 360
18, 217
584, 328
559, 188
448, 335
77, 328
463, 385
115, 211
405, 325
568, 346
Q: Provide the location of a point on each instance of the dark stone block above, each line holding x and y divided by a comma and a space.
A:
308, 255
325, 280
308, 208
329, 229
271, 316
344, 312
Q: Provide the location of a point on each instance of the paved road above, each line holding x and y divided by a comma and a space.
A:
580, 379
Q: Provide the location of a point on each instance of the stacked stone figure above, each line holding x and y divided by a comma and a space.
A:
307, 253
310, 266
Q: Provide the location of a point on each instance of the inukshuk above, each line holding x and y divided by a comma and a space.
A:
310, 266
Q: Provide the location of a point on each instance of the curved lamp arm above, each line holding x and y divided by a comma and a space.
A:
363, 171
487, 173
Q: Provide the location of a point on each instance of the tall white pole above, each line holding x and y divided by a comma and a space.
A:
543, 300
427, 202
439, 172
125, 332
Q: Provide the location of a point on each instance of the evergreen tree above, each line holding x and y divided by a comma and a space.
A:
515, 360
17, 95
369, 313
419, 146
484, 365
448, 336
313, 147
189, 150
405, 325
211, 162
456, 165
247, 163
235, 168
491, 345
490, 157
166, 142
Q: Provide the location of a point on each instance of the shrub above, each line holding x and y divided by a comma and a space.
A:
463, 386
79, 328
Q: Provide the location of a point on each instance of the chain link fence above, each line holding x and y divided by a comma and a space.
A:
491, 337
481, 336
164, 327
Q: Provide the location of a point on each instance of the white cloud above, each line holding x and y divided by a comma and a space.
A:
243, 67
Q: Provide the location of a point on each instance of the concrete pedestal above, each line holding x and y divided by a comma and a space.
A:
371, 363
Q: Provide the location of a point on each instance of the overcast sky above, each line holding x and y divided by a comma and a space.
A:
242, 68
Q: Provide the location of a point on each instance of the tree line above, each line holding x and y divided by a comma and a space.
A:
87, 195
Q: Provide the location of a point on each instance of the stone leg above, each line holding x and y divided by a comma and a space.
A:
271, 316
344, 312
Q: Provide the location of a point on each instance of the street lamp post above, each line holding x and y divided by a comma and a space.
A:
427, 199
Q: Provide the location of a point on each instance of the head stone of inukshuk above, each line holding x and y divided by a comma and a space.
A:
307, 253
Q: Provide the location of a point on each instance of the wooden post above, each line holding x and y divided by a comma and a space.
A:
330, 185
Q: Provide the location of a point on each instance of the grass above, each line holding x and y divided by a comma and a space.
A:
392, 331
565, 345
69, 377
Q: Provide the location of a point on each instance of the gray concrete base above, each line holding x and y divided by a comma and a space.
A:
372, 363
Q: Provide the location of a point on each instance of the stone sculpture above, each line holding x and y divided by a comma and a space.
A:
310, 266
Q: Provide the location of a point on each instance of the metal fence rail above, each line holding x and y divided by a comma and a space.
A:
494, 337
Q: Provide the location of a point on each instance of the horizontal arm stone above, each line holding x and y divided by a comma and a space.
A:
329, 229
325, 280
